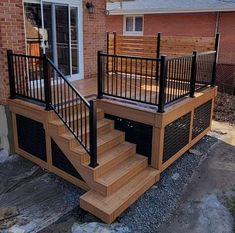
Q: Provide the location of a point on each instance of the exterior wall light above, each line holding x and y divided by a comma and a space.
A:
90, 7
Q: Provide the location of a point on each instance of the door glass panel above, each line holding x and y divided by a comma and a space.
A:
74, 38
62, 34
33, 24
47, 11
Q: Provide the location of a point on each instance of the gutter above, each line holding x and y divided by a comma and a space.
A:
157, 11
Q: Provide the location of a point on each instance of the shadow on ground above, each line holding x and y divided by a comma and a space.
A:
190, 196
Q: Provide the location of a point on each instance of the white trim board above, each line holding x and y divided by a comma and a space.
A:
164, 11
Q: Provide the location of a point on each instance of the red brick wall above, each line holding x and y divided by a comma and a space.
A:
114, 23
193, 24
94, 36
180, 24
227, 43
11, 37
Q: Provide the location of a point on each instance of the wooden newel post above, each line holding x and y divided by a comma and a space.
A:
193, 74
47, 83
217, 41
93, 134
163, 77
11, 74
100, 74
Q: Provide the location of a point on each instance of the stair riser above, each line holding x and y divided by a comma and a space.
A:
108, 190
107, 146
117, 160
110, 217
100, 115
100, 131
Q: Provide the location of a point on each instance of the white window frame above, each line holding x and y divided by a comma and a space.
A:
134, 33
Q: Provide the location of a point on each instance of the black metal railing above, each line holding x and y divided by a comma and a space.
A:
138, 79
38, 79
131, 78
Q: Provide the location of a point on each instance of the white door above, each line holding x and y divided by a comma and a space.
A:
58, 32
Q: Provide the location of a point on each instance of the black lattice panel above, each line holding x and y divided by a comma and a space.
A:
176, 136
31, 137
201, 119
60, 161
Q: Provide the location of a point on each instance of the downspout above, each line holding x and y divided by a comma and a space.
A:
217, 23
43, 29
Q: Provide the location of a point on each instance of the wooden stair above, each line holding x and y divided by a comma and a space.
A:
122, 175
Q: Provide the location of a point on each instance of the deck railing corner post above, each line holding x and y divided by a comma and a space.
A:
93, 134
100, 74
193, 74
162, 84
47, 83
11, 74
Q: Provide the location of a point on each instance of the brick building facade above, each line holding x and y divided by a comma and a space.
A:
188, 24
12, 36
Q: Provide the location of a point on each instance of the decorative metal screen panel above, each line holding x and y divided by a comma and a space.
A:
201, 118
176, 136
138, 133
31, 137
60, 161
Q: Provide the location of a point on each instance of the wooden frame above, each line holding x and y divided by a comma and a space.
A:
38, 114
159, 121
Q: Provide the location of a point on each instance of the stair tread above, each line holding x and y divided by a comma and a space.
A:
102, 139
121, 169
59, 122
100, 123
114, 152
109, 204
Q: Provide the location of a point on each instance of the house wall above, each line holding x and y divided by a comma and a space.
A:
194, 24
12, 36
94, 29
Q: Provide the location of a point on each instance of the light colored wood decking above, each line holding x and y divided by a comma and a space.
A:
123, 175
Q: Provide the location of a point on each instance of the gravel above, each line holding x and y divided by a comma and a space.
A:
157, 205
225, 108
154, 207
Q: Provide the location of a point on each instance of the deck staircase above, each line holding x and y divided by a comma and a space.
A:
122, 175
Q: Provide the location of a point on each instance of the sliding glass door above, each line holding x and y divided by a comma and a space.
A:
60, 36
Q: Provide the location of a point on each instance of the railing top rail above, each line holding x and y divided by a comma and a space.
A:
180, 57
130, 57
69, 84
27, 56
206, 53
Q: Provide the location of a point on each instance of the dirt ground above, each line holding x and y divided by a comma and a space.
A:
225, 108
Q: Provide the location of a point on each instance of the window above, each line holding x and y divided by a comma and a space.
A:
133, 25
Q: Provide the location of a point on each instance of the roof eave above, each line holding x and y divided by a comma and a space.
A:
157, 11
